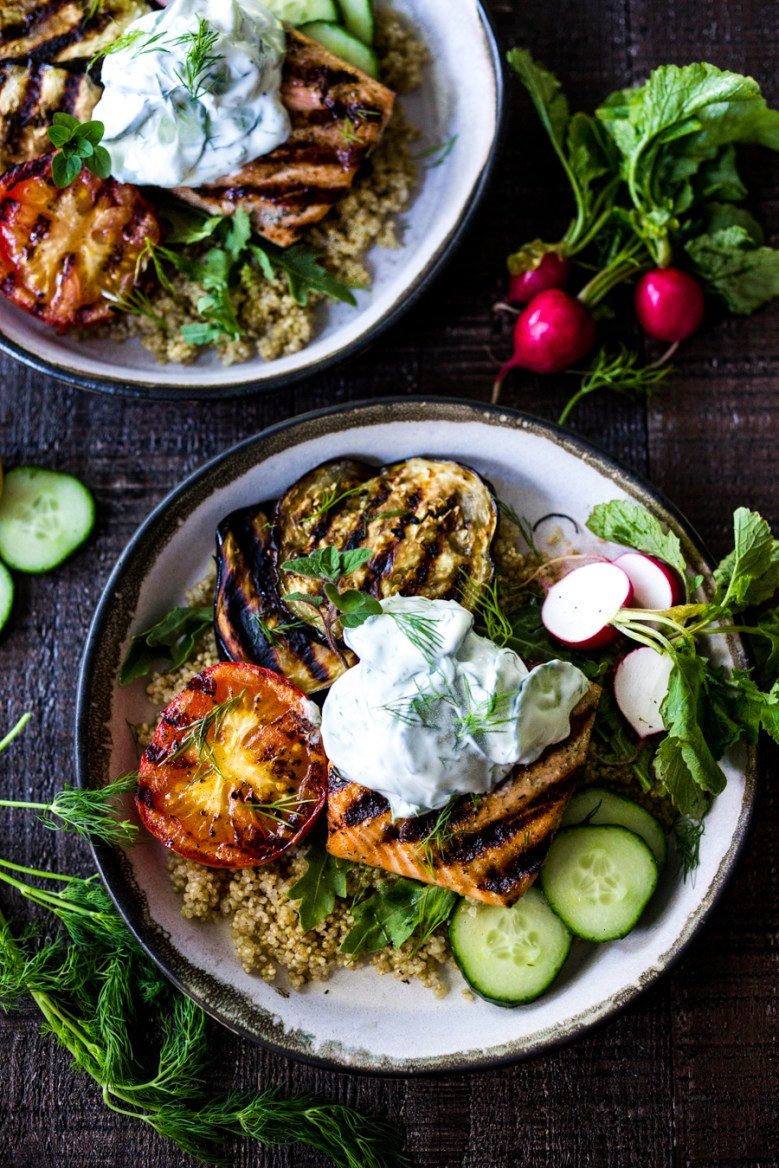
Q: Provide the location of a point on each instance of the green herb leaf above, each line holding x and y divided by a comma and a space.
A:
684, 763
303, 272
394, 912
631, 525
328, 563
78, 146
172, 640
323, 882
744, 274
750, 573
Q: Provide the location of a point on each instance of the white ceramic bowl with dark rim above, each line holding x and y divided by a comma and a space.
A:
444, 107
359, 1020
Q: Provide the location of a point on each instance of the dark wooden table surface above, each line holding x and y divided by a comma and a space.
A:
688, 1074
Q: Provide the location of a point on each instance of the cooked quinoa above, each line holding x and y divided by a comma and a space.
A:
264, 922
272, 322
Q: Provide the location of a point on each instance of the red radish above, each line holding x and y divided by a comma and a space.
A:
669, 304
655, 584
640, 684
578, 608
553, 331
552, 272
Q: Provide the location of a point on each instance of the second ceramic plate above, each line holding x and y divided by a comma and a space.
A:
360, 1020
459, 102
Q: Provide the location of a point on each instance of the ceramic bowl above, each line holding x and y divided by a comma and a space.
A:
445, 109
360, 1020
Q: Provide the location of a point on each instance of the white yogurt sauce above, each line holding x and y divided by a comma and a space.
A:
168, 123
448, 715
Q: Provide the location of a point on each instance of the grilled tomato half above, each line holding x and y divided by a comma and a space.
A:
66, 253
235, 773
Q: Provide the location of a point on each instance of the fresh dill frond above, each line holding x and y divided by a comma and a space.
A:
282, 810
202, 731
274, 634
620, 372
523, 526
420, 709
437, 153
137, 40
484, 602
421, 631
91, 814
487, 716
200, 58
135, 302
687, 833
331, 499
440, 834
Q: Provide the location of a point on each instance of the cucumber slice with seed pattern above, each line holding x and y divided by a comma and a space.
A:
357, 15
597, 807
6, 596
509, 955
599, 880
44, 517
340, 42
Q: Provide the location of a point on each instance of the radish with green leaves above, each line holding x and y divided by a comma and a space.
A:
579, 608
655, 583
640, 685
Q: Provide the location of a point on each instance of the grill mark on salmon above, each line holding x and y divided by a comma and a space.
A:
493, 846
337, 114
30, 95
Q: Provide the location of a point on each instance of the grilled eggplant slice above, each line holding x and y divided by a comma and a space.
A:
30, 95
429, 524
337, 114
490, 850
62, 30
251, 622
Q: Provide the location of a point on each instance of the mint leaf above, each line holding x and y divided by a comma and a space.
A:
394, 912
323, 882
631, 525
172, 640
328, 563
750, 573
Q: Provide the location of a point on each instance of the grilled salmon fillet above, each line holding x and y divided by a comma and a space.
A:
338, 115
30, 95
492, 848
62, 30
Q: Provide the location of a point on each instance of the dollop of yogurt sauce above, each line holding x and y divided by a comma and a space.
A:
433, 710
194, 93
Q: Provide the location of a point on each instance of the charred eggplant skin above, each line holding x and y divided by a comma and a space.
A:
429, 524
247, 607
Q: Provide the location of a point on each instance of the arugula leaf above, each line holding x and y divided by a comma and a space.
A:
323, 882
328, 563
631, 525
743, 273
750, 573
303, 272
684, 762
394, 912
172, 639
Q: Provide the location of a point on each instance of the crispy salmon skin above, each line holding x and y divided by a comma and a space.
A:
490, 849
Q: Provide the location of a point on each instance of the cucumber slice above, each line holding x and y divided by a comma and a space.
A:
509, 955
44, 517
303, 11
6, 595
597, 807
357, 15
599, 880
343, 45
